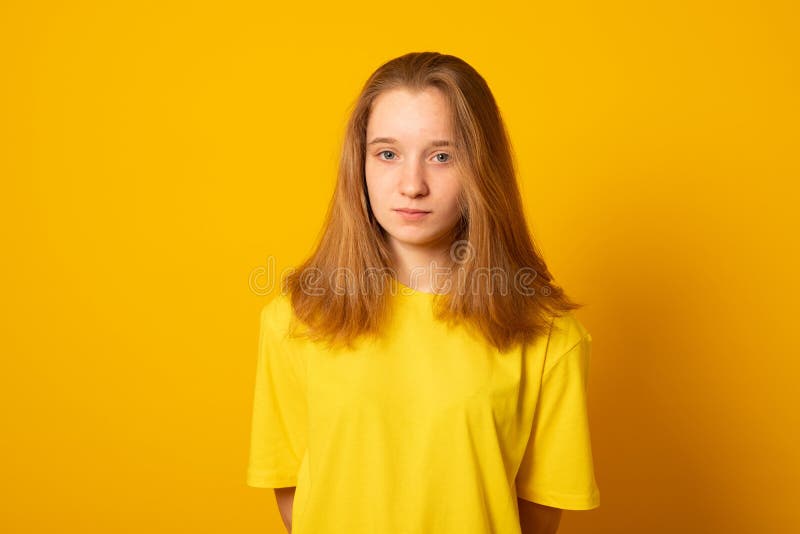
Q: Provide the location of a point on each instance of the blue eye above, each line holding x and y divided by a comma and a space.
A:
382, 152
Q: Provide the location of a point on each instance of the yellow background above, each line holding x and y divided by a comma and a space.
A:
158, 157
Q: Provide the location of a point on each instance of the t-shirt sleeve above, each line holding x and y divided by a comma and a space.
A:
557, 467
278, 435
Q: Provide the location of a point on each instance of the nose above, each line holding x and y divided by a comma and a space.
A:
412, 181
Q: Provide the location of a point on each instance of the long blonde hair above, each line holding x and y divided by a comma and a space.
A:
492, 234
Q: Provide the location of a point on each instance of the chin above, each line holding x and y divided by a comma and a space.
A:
414, 237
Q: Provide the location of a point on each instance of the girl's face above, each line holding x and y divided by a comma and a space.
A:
409, 165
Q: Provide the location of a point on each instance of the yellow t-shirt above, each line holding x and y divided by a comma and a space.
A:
430, 429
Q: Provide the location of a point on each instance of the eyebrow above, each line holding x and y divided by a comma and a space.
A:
437, 142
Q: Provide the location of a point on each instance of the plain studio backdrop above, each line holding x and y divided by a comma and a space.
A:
161, 162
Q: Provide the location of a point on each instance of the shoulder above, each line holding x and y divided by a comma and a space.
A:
276, 314
567, 333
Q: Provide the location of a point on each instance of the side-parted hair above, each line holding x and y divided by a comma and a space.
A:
497, 280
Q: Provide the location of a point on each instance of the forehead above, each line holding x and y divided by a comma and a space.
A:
401, 113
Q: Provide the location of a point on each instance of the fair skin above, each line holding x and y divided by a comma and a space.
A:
285, 498
535, 518
408, 164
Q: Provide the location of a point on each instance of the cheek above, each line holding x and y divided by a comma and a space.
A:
375, 194
451, 194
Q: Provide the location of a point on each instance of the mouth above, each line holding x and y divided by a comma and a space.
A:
412, 215
404, 210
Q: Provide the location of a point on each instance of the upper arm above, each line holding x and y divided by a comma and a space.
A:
535, 518
557, 467
285, 498
279, 433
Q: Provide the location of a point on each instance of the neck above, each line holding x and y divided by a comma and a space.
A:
423, 268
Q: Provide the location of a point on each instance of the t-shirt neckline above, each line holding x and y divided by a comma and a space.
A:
406, 291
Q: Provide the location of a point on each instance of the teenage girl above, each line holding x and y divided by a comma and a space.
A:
421, 372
